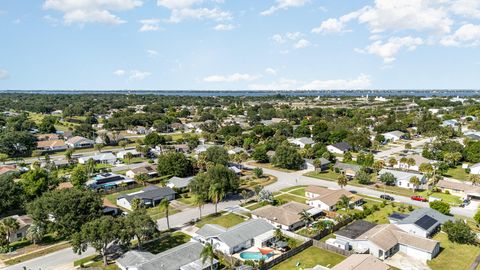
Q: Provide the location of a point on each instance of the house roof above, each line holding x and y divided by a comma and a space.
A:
401, 175
50, 136
426, 218
172, 259
386, 236
77, 139
304, 140
394, 133
149, 193
239, 233
355, 229
418, 159
457, 186
23, 221
347, 166
147, 168
180, 182
7, 168
343, 146
361, 262
287, 214
330, 197
50, 143
101, 156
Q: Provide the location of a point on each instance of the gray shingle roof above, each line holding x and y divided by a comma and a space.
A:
176, 258
150, 193
355, 229
417, 215
180, 182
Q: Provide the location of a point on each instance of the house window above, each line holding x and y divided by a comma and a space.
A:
19, 235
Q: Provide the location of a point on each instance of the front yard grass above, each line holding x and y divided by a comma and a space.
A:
290, 198
453, 256
309, 258
381, 216
325, 175
166, 242
457, 173
269, 166
226, 221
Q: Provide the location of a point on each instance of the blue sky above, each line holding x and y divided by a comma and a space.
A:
239, 44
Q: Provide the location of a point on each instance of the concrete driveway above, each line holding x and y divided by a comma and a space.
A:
402, 261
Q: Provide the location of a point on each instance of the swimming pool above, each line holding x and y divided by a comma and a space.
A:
256, 256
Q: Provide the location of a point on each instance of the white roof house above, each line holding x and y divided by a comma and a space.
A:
123, 153
393, 135
302, 142
179, 182
475, 169
402, 178
79, 142
104, 158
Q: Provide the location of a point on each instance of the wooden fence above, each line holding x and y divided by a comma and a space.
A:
331, 248
287, 255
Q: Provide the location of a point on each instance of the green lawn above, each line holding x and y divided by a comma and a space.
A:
448, 198
457, 173
168, 242
381, 216
309, 258
298, 192
157, 213
269, 166
290, 198
453, 256
291, 188
226, 221
325, 175
255, 206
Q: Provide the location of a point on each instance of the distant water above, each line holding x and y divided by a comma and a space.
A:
209, 93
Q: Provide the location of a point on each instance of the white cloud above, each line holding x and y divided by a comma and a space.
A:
388, 50
333, 25
236, 77
361, 82
224, 27
4, 74
216, 14
91, 11
301, 44
281, 84
467, 8
138, 75
467, 35
149, 25
152, 53
284, 4
271, 71
120, 72
177, 4
278, 38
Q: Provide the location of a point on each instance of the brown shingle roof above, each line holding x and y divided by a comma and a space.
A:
361, 262
330, 197
287, 214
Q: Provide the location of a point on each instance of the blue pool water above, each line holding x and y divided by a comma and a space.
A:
254, 256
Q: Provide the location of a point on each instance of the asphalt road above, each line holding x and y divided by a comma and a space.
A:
59, 260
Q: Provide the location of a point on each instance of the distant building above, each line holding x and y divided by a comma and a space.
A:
179, 182
51, 145
102, 158
286, 216
147, 169
339, 148
79, 142
24, 223
393, 135
327, 199
302, 142
108, 181
402, 178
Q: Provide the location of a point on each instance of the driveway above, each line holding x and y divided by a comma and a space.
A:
402, 261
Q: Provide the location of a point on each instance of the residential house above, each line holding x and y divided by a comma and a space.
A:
108, 181
147, 169
393, 136
327, 199
79, 142
450, 123
287, 216
422, 222
235, 169
321, 165
302, 142
361, 262
349, 170
7, 169
402, 178
179, 182
182, 257
383, 241
402, 162
475, 169
102, 158
24, 223
122, 154
460, 189
339, 148
236, 150
47, 137
253, 232
138, 130
177, 126
51, 145
150, 196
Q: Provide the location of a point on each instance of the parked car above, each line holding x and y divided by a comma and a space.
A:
387, 197
419, 198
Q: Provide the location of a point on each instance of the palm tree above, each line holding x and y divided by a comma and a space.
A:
306, 217
141, 178
10, 226
411, 162
344, 202
244, 196
342, 180
199, 201
68, 155
90, 166
216, 194
415, 182
257, 189
35, 233
128, 157
165, 205
378, 165
278, 234
99, 147
207, 254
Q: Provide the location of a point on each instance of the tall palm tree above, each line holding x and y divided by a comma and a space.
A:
199, 201
257, 189
244, 196
342, 180
415, 182
165, 205
216, 194
68, 155
35, 233
141, 178
128, 157
344, 202
207, 254
306, 217
10, 226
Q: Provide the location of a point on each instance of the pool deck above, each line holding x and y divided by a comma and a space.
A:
276, 253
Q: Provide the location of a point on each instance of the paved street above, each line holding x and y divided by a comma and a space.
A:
60, 260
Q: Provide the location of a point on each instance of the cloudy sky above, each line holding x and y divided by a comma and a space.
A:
239, 44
